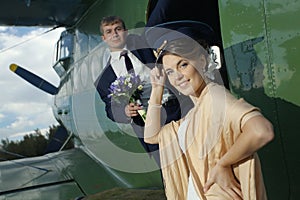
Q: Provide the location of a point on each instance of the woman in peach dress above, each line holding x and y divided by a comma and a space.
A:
210, 154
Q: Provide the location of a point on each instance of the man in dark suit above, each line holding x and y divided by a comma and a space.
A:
115, 35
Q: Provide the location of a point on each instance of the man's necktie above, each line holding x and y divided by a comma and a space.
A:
128, 62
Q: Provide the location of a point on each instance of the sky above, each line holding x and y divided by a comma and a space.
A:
23, 107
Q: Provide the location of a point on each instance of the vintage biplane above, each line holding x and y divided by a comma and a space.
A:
260, 40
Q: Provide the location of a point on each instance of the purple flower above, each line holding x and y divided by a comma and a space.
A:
128, 87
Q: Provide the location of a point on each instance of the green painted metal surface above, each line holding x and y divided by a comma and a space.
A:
62, 175
261, 40
60, 191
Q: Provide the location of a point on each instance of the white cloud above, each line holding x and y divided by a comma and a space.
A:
21, 121
1, 117
3, 28
23, 107
19, 136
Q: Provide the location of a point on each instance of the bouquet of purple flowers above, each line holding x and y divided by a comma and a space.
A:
128, 88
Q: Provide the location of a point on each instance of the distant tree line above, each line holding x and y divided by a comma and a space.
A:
33, 144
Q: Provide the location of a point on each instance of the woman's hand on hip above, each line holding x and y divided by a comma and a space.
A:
223, 176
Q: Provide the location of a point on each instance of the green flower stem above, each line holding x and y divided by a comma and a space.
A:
142, 113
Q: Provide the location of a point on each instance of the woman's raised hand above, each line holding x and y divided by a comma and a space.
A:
158, 77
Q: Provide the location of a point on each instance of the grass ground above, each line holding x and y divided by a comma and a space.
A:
128, 194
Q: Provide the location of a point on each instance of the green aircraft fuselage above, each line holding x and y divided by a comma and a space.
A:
260, 40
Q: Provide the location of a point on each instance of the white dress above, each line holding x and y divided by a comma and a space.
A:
191, 194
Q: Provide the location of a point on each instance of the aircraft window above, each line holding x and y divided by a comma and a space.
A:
64, 53
66, 48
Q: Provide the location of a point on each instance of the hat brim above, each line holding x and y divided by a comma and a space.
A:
169, 31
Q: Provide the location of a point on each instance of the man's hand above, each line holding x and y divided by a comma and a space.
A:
131, 109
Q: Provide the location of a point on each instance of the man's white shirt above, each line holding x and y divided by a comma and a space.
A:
118, 65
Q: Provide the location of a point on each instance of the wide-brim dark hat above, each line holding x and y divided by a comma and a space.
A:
173, 30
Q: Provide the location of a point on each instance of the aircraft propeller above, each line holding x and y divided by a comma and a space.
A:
34, 79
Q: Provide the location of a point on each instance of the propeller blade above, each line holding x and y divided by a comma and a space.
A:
34, 79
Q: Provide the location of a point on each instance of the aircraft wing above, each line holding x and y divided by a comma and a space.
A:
62, 175
42, 13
